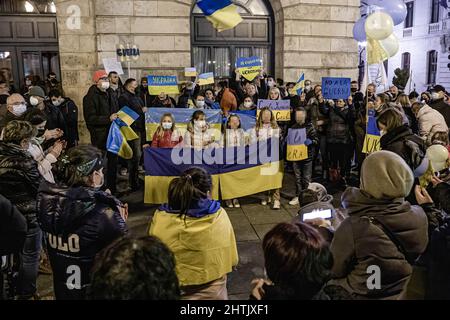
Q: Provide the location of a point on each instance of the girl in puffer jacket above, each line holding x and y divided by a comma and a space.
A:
78, 219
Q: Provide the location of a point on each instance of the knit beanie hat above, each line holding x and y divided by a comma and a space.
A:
98, 75
385, 175
36, 91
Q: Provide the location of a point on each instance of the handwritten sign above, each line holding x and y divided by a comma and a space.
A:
281, 109
111, 64
249, 68
373, 136
162, 84
336, 88
205, 79
296, 148
190, 72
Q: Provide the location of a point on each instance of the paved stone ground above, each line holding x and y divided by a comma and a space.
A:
251, 222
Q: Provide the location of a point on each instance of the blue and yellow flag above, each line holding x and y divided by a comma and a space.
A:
120, 132
300, 85
222, 14
373, 136
205, 79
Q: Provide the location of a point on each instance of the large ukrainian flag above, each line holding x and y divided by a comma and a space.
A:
221, 13
244, 170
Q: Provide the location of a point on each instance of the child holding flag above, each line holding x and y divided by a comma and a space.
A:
167, 135
303, 167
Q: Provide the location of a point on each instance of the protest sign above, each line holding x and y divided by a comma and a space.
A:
336, 88
205, 79
296, 148
190, 72
249, 68
111, 64
281, 109
162, 84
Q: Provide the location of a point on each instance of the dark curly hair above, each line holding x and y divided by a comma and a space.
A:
134, 269
297, 260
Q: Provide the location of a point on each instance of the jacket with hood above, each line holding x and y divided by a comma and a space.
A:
378, 215
19, 180
98, 107
201, 255
396, 141
78, 222
430, 121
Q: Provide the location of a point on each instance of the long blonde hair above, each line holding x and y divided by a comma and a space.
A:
160, 130
274, 89
273, 122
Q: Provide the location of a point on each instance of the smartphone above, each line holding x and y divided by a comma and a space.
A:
324, 214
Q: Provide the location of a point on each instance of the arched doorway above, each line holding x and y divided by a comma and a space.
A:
254, 36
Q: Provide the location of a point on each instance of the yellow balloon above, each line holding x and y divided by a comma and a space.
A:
390, 45
375, 52
379, 25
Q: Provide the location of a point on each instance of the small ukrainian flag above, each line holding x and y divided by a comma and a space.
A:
221, 13
300, 85
121, 132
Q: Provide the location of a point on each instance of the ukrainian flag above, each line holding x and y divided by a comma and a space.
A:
300, 85
296, 148
120, 132
221, 13
205, 79
373, 135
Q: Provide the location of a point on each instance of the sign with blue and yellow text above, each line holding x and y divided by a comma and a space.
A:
336, 88
281, 109
249, 68
162, 84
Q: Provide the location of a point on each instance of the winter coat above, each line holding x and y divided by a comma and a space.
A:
79, 222
8, 117
55, 119
167, 103
98, 107
145, 96
430, 121
201, 256
134, 102
340, 125
443, 108
19, 180
359, 243
69, 111
13, 228
228, 101
441, 196
396, 141
169, 139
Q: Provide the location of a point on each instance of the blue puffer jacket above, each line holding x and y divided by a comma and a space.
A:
78, 222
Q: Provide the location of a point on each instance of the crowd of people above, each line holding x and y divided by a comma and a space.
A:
60, 198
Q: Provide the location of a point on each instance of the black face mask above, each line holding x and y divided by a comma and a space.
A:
40, 132
354, 90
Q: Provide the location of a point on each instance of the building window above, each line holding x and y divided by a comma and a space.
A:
217, 52
434, 11
432, 67
27, 6
409, 21
406, 61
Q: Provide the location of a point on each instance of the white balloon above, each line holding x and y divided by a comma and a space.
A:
379, 25
390, 45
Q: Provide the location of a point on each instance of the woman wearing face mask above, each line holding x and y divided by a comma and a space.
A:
247, 104
167, 135
19, 183
44, 160
198, 134
425, 97
381, 103
200, 102
78, 218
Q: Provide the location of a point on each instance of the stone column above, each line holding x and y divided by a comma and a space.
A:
78, 52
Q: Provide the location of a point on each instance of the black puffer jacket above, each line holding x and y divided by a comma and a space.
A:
13, 228
69, 111
340, 125
135, 103
19, 180
98, 107
79, 222
396, 141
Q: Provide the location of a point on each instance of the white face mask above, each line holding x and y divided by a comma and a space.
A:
34, 101
200, 124
167, 125
270, 83
307, 88
57, 103
105, 85
19, 110
102, 181
200, 104
382, 133
248, 104
28, 82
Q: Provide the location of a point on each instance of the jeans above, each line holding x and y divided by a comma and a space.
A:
134, 162
303, 174
29, 264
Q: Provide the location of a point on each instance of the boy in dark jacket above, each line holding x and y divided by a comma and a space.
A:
303, 169
69, 111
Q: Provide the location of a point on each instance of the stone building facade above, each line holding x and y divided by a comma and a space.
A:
311, 36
